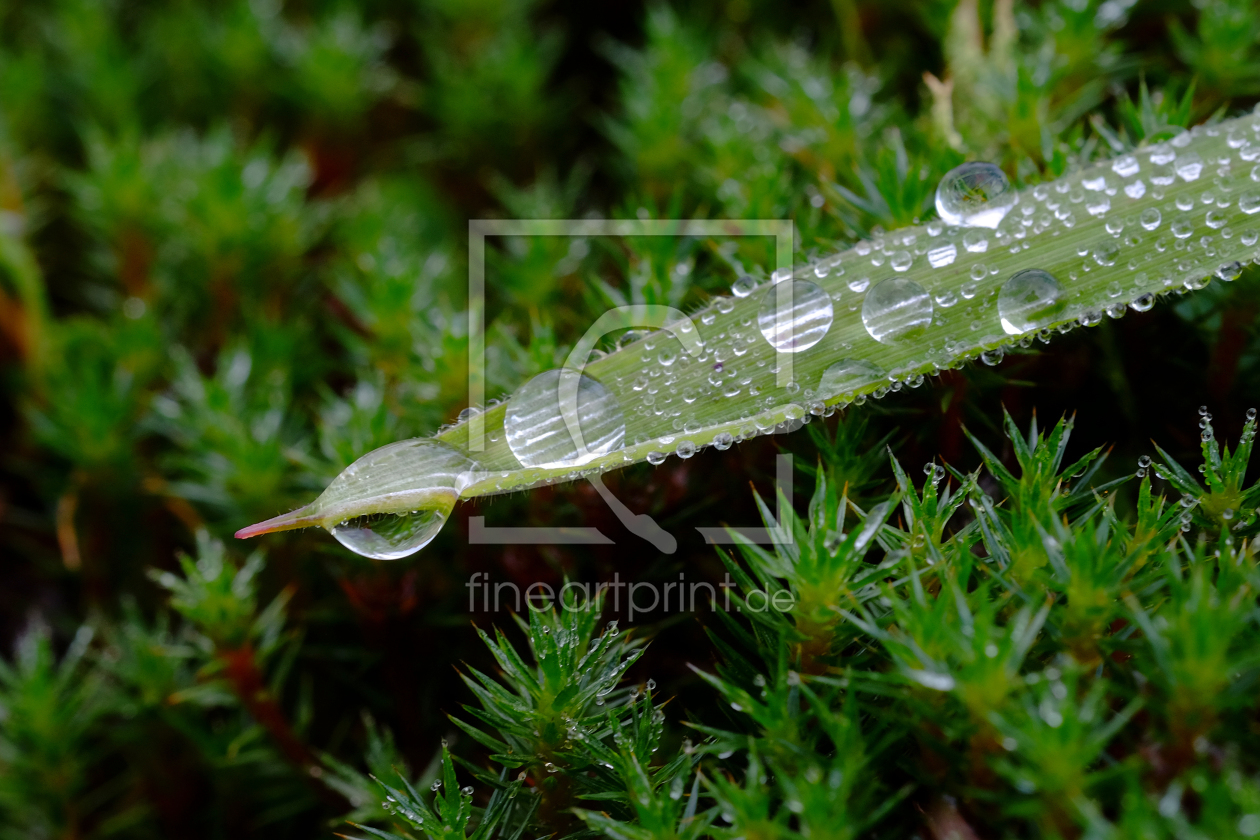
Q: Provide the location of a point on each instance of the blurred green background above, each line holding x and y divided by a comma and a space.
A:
233, 259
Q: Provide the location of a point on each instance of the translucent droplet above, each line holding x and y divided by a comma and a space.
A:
1162, 153
1188, 166
1125, 166
975, 194
538, 418
743, 287
795, 316
1135, 190
975, 241
656, 458
723, 441
685, 449
847, 376
1229, 271
896, 309
390, 536
1030, 300
1150, 218
1143, 303
901, 260
942, 255
1106, 253
1249, 203
1181, 228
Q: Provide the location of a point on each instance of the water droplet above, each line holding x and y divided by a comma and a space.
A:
656, 458
901, 260
1125, 166
897, 309
743, 287
1106, 253
1215, 219
1030, 300
975, 194
847, 376
1143, 303
390, 536
1162, 153
1189, 165
1135, 190
1249, 203
466, 790
1150, 218
1229, 271
859, 285
795, 316
1182, 228
540, 412
723, 441
943, 255
685, 449
975, 241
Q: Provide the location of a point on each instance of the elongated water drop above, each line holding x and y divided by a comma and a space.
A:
975, 194
542, 413
795, 316
896, 309
1029, 300
846, 376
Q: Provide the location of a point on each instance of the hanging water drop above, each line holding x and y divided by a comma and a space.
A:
897, 309
1029, 300
975, 194
544, 412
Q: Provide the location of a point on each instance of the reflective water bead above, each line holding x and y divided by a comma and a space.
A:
975, 194
896, 309
1150, 218
545, 413
1143, 303
1188, 166
795, 316
743, 287
1249, 203
656, 458
685, 449
975, 241
942, 255
847, 376
723, 441
1125, 165
1029, 300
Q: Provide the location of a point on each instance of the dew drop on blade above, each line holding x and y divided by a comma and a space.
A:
896, 309
795, 316
847, 376
1029, 300
389, 536
539, 415
975, 194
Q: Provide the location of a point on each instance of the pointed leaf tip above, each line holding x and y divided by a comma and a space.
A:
290, 521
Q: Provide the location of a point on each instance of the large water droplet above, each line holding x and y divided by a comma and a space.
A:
1030, 300
1188, 166
390, 536
896, 309
538, 419
795, 316
847, 376
975, 194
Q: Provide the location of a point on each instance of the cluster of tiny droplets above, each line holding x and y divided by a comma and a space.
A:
937, 289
